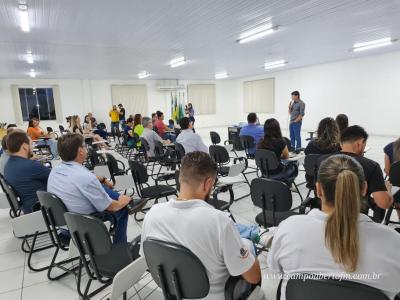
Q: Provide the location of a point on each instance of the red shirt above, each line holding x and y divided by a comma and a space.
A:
160, 125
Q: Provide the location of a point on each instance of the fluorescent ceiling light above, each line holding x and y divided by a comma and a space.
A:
32, 73
275, 64
29, 57
178, 62
221, 75
256, 33
372, 44
24, 17
143, 74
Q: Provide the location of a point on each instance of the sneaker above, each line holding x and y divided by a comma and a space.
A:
266, 237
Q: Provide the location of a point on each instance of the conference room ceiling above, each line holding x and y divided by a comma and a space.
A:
105, 39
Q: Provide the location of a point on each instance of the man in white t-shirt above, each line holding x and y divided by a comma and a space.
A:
209, 233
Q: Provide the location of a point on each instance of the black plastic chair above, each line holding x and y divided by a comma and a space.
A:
164, 157
53, 210
394, 178
31, 243
267, 162
215, 138
181, 275
329, 289
275, 199
94, 159
116, 167
144, 190
101, 259
12, 199
223, 160
248, 143
311, 169
180, 152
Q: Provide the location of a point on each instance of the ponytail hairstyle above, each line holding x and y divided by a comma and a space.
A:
396, 151
342, 180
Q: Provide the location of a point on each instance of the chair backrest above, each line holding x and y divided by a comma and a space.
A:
158, 150
145, 145
180, 151
394, 174
219, 154
61, 127
139, 172
311, 164
12, 198
247, 142
266, 161
89, 234
215, 138
53, 208
300, 289
127, 277
49, 129
176, 270
271, 195
112, 164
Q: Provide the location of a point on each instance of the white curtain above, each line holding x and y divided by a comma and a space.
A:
132, 97
202, 97
259, 96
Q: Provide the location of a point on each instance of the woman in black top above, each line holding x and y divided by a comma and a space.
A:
274, 142
328, 138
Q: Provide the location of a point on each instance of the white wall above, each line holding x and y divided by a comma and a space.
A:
366, 89
82, 96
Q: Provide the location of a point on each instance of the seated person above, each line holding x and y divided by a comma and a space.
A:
342, 121
35, 133
128, 130
209, 233
254, 130
188, 139
86, 133
327, 140
26, 176
274, 142
353, 142
162, 129
171, 124
338, 240
392, 154
6, 155
151, 136
137, 125
80, 190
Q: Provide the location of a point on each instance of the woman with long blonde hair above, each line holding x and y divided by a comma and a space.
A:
76, 127
338, 240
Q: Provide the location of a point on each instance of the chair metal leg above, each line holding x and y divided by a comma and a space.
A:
60, 265
33, 250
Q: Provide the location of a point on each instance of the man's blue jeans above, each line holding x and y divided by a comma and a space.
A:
295, 135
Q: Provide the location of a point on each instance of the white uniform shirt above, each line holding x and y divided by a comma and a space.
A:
209, 233
191, 141
299, 247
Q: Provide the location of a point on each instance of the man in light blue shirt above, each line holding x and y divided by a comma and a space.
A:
80, 190
188, 139
253, 130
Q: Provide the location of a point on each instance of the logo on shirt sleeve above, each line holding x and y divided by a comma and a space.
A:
244, 253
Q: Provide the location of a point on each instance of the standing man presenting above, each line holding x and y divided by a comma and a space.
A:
296, 111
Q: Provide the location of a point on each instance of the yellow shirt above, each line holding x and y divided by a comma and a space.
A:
114, 115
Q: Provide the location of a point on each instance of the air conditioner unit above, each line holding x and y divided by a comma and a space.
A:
169, 86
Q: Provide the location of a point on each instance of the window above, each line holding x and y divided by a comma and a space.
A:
259, 96
202, 97
37, 103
